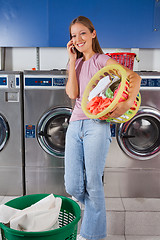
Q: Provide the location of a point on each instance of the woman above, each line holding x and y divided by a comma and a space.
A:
87, 140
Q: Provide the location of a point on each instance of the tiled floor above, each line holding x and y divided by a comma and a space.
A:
128, 216
141, 238
118, 237
132, 238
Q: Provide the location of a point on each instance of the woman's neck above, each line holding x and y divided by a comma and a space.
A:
87, 56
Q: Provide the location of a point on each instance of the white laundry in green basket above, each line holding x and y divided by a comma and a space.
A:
41, 216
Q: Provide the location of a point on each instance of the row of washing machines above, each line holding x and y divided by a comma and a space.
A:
34, 116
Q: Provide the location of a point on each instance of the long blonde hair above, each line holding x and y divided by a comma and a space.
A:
87, 23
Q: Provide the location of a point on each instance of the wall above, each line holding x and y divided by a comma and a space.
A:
50, 58
119, 23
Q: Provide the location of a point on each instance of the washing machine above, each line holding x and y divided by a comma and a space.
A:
47, 110
11, 134
133, 163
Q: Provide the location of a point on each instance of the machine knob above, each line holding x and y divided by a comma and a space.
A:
43, 134
124, 135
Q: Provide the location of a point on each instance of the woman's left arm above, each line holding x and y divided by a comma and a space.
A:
134, 86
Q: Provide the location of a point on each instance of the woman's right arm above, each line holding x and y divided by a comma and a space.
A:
72, 88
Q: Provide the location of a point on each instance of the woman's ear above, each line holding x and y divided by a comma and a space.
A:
94, 33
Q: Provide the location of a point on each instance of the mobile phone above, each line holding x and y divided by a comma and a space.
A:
73, 50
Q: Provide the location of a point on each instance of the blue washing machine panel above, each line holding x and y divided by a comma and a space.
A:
113, 129
40, 82
30, 131
3, 81
59, 81
45, 82
150, 82
17, 81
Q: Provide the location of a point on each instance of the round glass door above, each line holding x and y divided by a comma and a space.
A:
4, 132
51, 130
139, 138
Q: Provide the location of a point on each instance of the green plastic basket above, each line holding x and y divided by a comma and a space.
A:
68, 220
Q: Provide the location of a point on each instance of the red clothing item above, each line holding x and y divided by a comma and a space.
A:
98, 104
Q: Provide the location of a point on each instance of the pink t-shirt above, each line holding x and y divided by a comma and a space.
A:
85, 70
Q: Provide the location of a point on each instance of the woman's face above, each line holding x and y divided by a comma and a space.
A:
82, 37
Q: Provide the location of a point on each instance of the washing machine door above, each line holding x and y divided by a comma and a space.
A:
139, 138
51, 130
4, 132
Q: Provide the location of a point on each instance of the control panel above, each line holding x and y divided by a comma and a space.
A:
113, 129
32, 81
59, 81
30, 131
17, 81
10, 81
3, 81
150, 82
44, 81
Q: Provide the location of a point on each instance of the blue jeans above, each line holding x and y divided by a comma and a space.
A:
87, 144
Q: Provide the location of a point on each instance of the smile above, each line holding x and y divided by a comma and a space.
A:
80, 44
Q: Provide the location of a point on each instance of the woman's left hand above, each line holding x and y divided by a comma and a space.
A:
120, 109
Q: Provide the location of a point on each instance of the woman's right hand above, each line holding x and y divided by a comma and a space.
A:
72, 54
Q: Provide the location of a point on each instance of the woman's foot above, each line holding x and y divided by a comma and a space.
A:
79, 237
